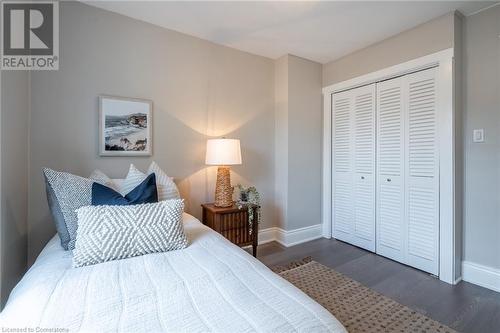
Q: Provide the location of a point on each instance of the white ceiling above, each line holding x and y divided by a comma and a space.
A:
317, 30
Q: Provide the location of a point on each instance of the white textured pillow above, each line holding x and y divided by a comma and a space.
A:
101, 178
118, 182
164, 184
133, 179
116, 232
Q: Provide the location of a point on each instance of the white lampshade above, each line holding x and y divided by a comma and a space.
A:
223, 152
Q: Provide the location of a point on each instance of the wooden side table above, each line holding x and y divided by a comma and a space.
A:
233, 224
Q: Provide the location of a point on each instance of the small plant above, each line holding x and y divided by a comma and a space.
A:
249, 196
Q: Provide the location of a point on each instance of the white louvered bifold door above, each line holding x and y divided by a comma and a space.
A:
422, 170
390, 169
354, 166
407, 170
364, 167
343, 194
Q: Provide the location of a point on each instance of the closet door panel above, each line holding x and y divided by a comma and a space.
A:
343, 210
364, 212
364, 167
422, 234
422, 172
343, 214
390, 170
354, 166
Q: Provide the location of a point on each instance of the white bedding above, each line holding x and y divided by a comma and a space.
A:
210, 286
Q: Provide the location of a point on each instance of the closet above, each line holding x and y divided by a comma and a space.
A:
385, 168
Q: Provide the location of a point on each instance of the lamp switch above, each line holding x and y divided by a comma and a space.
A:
478, 135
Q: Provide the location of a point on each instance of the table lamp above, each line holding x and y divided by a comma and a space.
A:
223, 153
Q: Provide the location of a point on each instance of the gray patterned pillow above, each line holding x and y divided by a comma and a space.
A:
66, 193
116, 232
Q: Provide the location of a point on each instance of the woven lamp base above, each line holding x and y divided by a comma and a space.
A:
223, 189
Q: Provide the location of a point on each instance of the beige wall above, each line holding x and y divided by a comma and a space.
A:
305, 128
199, 89
424, 39
281, 140
482, 160
298, 131
14, 129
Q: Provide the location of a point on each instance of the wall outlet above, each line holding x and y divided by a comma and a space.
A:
478, 135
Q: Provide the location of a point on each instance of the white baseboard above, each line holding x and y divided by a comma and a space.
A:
290, 237
483, 276
267, 235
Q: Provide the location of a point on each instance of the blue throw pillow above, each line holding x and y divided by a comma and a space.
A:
145, 192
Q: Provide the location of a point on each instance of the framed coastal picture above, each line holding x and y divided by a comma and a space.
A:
125, 126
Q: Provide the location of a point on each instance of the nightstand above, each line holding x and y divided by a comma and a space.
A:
233, 224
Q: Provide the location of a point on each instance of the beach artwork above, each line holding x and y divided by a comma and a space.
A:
125, 126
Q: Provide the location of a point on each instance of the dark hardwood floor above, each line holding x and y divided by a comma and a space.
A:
464, 307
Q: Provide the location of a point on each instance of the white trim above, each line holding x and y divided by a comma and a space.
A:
298, 236
326, 197
290, 237
447, 177
267, 235
483, 276
411, 66
446, 124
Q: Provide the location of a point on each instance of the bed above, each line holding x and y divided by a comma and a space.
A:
210, 286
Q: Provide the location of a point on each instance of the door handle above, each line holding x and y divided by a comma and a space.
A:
362, 177
389, 179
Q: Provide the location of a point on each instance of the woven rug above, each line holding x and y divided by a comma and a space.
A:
357, 307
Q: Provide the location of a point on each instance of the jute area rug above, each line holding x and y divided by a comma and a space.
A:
357, 307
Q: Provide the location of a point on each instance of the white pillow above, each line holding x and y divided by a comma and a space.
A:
133, 179
100, 177
118, 182
164, 184
116, 232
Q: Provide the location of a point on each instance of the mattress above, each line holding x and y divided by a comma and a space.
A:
211, 286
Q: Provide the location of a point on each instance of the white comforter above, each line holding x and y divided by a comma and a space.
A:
210, 286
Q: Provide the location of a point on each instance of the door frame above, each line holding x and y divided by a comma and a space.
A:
449, 179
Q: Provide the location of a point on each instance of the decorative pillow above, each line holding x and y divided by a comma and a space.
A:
100, 177
166, 187
65, 194
134, 178
116, 232
118, 182
57, 215
145, 192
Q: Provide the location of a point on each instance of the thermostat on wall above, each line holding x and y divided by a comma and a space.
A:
478, 135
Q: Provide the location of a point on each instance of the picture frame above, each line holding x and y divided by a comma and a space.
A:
125, 126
